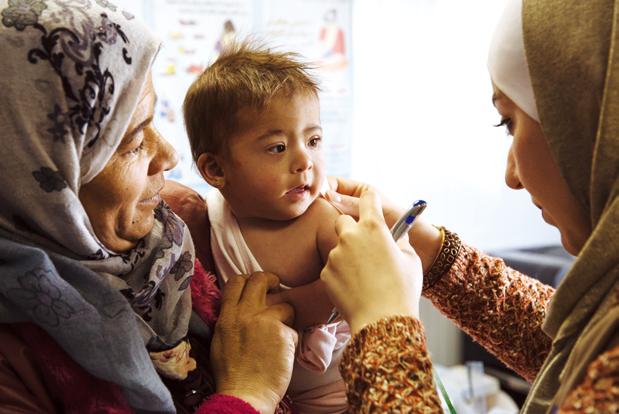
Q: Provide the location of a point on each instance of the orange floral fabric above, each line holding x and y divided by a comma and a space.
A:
599, 391
387, 368
498, 307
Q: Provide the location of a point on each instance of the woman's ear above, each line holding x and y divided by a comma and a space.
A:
211, 170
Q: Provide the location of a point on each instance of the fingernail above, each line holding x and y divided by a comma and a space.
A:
334, 196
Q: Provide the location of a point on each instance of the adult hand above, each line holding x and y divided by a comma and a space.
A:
345, 195
425, 238
368, 276
253, 350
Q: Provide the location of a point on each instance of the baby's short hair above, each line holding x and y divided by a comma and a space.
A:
244, 76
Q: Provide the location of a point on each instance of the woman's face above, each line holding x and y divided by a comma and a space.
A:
530, 165
121, 199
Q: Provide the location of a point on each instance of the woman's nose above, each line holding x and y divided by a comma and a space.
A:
512, 179
165, 157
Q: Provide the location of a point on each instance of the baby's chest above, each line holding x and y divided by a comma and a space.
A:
295, 260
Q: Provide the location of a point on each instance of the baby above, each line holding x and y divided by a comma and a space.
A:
253, 120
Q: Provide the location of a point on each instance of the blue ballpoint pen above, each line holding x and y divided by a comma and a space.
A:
399, 229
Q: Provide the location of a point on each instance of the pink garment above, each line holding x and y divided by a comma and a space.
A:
316, 385
318, 343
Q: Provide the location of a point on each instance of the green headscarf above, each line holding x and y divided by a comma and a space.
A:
572, 49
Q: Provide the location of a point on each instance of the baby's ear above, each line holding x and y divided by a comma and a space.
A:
211, 170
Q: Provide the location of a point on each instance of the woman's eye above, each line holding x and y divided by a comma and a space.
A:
314, 141
276, 149
137, 149
507, 123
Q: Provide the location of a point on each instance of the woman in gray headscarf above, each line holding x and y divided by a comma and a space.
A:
96, 272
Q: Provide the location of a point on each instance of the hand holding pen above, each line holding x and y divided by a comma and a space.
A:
369, 278
399, 229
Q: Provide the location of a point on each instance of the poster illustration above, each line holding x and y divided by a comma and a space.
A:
194, 32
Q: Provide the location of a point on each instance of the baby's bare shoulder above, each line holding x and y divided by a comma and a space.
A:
322, 212
324, 216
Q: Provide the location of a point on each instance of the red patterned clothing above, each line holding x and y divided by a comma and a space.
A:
599, 392
36, 375
498, 307
224, 404
387, 368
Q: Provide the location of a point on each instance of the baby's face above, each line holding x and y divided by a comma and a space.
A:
275, 165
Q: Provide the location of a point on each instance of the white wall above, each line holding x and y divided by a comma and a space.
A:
423, 118
422, 128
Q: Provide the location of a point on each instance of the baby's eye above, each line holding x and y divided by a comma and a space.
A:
276, 149
314, 141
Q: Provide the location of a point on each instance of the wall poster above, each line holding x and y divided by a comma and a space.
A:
193, 33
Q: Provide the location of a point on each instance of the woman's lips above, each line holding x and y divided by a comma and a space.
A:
544, 214
154, 199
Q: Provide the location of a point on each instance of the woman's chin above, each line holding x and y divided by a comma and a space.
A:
570, 245
117, 244
125, 240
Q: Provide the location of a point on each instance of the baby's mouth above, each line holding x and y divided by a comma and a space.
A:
299, 189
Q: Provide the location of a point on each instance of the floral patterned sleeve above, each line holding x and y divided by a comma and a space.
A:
387, 369
498, 307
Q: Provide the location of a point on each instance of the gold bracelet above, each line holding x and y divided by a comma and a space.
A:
441, 230
450, 249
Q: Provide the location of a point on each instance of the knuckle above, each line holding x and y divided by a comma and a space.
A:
346, 237
236, 279
372, 223
258, 277
262, 278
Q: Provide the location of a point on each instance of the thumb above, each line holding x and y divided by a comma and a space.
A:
345, 204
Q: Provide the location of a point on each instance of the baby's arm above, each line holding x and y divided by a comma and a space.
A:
310, 301
326, 237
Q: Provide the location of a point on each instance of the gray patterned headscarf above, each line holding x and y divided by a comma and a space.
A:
72, 73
